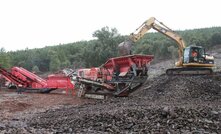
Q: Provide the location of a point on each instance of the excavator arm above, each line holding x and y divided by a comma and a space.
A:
158, 26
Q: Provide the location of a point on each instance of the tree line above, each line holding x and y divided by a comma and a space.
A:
95, 52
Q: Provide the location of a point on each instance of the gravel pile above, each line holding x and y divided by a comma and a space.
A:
187, 104
136, 119
178, 88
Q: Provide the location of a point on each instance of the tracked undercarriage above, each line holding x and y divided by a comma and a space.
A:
189, 71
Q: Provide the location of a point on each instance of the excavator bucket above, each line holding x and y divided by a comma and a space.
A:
125, 48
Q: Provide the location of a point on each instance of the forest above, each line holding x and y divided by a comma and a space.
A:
95, 52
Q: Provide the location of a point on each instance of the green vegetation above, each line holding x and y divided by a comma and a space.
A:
4, 58
96, 52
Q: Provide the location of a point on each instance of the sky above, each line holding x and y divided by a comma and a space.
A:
39, 23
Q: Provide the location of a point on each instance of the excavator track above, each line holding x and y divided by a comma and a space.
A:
189, 71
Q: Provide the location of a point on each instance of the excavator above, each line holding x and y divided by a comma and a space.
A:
192, 59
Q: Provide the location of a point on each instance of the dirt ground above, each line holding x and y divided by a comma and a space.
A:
14, 106
164, 104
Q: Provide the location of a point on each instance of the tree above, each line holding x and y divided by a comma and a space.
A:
216, 39
54, 61
106, 45
35, 69
4, 58
65, 63
96, 52
55, 64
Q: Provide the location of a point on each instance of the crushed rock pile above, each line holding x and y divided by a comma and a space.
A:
187, 104
178, 88
136, 119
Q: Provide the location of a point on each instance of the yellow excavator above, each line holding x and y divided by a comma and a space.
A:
192, 59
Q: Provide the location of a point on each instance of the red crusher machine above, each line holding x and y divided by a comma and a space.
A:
119, 76
30, 81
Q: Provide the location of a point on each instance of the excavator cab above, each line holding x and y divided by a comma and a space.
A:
195, 61
196, 56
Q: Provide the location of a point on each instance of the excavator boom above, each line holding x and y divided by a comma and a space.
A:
160, 27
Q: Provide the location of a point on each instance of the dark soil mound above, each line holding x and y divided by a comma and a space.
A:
188, 104
136, 119
181, 88
163, 105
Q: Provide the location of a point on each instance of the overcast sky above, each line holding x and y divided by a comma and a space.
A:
39, 23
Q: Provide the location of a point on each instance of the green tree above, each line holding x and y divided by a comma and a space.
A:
96, 52
55, 63
106, 45
35, 69
4, 58
216, 39
65, 63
